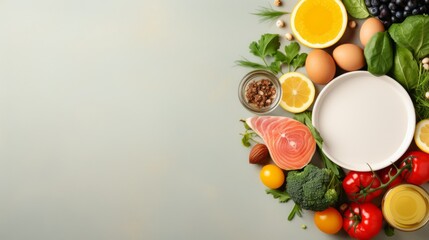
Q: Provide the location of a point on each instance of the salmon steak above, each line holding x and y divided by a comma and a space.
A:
290, 143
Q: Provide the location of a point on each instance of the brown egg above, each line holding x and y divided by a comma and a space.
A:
370, 27
320, 66
349, 57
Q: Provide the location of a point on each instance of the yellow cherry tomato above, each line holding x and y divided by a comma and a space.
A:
272, 176
329, 220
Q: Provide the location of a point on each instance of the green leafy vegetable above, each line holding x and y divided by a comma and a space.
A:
269, 14
379, 54
421, 103
267, 49
248, 135
389, 230
412, 34
299, 61
405, 68
291, 50
305, 118
313, 188
356, 8
283, 196
296, 210
267, 45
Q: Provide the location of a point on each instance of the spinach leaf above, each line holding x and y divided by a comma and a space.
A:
413, 34
405, 68
356, 8
379, 54
267, 45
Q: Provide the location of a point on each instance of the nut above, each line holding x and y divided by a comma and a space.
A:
352, 24
425, 60
426, 66
280, 23
259, 154
288, 36
277, 3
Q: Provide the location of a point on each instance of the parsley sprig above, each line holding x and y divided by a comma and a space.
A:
267, 49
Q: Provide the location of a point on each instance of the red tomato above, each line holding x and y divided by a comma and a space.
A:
417, 167
362, 221
358, 185
387, 173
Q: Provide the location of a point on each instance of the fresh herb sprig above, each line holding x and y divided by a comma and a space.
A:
421, 103
269, 14
248, 136
305, 118
273, 59
284, 197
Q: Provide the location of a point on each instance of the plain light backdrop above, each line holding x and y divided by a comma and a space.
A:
119, 119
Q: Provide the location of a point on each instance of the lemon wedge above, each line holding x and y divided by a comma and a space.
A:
421, 135
298, 92
319, 23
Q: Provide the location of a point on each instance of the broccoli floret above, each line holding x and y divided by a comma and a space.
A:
313, 188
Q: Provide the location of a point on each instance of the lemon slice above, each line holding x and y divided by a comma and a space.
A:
319, 23
421, 136
298, 92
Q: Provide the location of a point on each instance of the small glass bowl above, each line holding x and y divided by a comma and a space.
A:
256, 76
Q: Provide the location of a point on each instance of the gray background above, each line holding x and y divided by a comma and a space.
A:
119, 119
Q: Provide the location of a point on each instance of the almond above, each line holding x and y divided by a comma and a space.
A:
259, 154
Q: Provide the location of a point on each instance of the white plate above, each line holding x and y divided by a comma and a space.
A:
366, 122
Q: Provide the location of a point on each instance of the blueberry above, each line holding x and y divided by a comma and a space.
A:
375, 3
412, 4
383, 6
423, 9
373, 11
426, 1
384, 14
392, 6
399, 15
385, 1
407, 8
368, 3
399, 2
406, 14
415, 11
387, 23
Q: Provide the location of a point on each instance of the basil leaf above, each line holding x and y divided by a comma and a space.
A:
412, 34
379, 54
405, 68
299, 61
356, 8
291, 51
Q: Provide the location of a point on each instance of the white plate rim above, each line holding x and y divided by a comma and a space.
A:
410, 126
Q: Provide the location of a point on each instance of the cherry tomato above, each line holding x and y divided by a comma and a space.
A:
272, 176
358, 185
362, 221
417, 171
329, 220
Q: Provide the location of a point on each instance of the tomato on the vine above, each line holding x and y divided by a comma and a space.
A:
387, 173
362, 221
417, 167
358, 185
272, 176
329, 220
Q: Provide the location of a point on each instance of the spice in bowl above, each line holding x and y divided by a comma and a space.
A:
260, 91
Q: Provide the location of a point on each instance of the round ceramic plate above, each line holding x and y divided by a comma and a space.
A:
366, 122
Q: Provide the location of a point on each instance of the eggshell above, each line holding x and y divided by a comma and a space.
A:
370, 27
320, 66
349, 57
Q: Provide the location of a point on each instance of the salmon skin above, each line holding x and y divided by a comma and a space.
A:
290, 143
